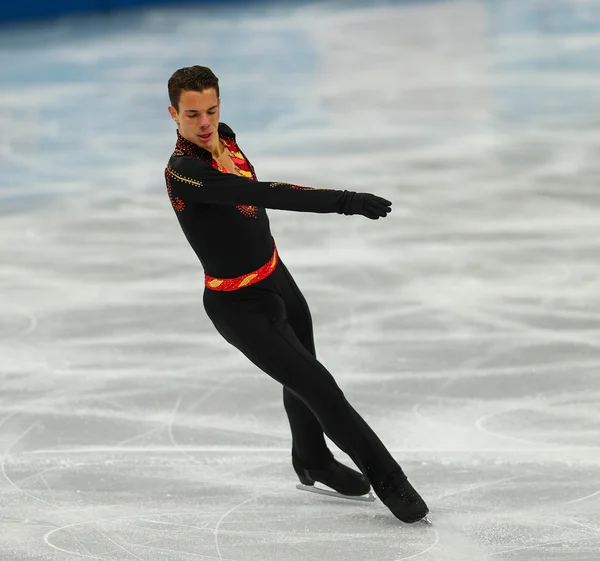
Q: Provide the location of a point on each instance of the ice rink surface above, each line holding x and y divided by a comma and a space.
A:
465, 327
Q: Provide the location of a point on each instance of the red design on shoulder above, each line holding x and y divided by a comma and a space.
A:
176, 202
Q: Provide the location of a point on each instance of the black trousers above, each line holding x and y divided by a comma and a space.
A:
271, 324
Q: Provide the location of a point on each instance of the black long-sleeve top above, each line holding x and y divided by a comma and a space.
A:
223, 215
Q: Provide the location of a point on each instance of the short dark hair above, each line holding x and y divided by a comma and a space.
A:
191, 78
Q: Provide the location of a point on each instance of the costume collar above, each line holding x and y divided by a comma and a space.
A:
191, 149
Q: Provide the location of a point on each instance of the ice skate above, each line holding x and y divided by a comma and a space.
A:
343, 482
402, 499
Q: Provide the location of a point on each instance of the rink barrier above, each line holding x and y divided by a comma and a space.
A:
40, 10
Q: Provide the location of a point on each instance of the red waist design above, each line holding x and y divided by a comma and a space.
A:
244, 280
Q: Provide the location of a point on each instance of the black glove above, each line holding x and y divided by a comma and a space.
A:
368, 205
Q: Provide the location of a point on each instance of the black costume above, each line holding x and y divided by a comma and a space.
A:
254, 303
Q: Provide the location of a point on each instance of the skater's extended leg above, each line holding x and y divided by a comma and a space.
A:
257, 326
260, 330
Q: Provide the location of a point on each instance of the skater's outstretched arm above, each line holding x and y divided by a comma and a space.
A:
195, 180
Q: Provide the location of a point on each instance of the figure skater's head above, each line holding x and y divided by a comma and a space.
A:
195, 105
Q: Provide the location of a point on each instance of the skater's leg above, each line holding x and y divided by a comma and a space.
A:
308, 442
255, 323
259, 329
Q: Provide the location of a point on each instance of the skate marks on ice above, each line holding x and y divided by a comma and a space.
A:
151, 503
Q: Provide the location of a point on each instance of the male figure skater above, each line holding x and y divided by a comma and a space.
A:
252, 299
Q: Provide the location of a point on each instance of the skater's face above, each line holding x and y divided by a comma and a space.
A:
198, 117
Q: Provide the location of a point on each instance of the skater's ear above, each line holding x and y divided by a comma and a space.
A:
173, 113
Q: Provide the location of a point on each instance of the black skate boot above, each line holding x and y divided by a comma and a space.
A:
344, 480
400, 497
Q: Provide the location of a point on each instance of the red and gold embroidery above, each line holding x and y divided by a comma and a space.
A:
242, 281
245, 170
176, 202
240, 163
185, 147
169, 171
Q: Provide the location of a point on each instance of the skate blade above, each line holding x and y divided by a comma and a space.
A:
424, 521
320, 491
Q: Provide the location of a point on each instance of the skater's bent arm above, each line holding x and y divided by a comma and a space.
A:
197, 180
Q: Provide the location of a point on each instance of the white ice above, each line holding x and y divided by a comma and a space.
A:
464, 327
